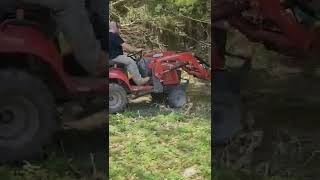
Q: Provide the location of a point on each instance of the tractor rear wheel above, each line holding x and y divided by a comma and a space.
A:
177, 97
117, 98
27, 116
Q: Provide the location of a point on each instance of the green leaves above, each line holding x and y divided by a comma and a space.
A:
158, 8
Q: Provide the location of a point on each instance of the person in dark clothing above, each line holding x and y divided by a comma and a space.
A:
115, 42
116, 47
99, 15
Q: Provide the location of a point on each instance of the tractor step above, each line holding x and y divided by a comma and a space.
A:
89, 85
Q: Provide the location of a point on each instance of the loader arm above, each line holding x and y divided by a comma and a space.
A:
269, 22
186, 61
290, 37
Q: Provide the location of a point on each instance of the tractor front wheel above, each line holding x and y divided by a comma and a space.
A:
117, 98
177, 97
227, 111
226, 117
27, 116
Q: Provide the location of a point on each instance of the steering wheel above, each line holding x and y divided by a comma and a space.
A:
136, 56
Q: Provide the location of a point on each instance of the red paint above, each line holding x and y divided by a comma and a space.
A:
27, 40
192, 66
23, 39
292, 36
118, 74
165, 68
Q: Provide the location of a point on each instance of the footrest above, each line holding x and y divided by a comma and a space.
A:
89, 85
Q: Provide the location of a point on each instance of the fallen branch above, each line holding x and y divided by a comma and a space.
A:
117, 2
314, 153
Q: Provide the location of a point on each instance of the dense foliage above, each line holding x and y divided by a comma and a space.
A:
175, 24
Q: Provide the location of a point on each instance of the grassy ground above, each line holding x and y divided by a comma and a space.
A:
150, 141
54, 168
74, 155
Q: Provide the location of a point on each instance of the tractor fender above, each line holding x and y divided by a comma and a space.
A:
116, 74
18, 39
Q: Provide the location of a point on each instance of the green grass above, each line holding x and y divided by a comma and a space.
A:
159, 146
54, 168
58, 165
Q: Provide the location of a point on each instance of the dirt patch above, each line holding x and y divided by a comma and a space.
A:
286, 111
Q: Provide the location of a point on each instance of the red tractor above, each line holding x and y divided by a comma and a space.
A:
164, 68
281, 25
35, 78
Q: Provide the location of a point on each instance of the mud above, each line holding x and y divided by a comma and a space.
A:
286, 110
198, 93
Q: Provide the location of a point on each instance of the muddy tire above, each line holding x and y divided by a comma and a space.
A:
158, 97
177, 97
117, 98
27, 116
226, 118
227, 111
